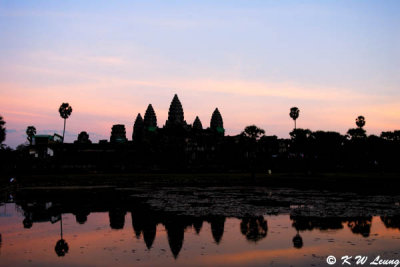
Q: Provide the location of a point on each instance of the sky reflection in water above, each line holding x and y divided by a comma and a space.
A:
139, 236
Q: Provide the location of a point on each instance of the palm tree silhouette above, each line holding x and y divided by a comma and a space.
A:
65, 111
30, 132
297, 241
294, 114
2, 130
61, 247
360, 121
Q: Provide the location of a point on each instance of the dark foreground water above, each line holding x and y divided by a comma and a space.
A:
240, 226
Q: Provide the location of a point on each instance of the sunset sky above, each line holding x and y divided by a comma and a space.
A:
253, 60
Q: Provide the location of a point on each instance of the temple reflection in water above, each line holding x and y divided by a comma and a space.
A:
147, 215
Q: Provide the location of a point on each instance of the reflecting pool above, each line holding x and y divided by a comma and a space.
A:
210, 226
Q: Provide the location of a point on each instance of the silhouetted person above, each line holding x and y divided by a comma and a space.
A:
297, 241
217, 228
117, 218
254, 228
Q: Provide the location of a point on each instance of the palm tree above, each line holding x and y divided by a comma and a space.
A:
30, 132
360, 121
2, 130
61, 247
65, 111
294, 114
297, 241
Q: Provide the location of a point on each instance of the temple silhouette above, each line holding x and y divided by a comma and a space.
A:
179, 146
38, 206
175, 126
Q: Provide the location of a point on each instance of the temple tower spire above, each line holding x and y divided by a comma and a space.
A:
217, 123
150, 119
175, 113
197, 124
138, 127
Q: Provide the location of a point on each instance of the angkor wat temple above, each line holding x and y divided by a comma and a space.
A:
175, 126
177, 145
181, 147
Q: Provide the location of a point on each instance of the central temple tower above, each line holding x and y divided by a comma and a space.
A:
175, 113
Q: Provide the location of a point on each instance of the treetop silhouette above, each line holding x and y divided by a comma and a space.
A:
30, 132
294, 114
253, 132
360, 121
2, 130
65, 111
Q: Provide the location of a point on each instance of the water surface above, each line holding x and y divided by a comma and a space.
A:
236, 226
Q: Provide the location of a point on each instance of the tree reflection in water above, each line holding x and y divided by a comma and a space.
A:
297, 241
39, 207
303, 223
391, 221
357, 225
360, 226
81, 216
254, 228
61, 247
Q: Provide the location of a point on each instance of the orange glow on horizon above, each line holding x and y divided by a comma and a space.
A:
99, 105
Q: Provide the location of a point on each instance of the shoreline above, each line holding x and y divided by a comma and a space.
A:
337, 181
